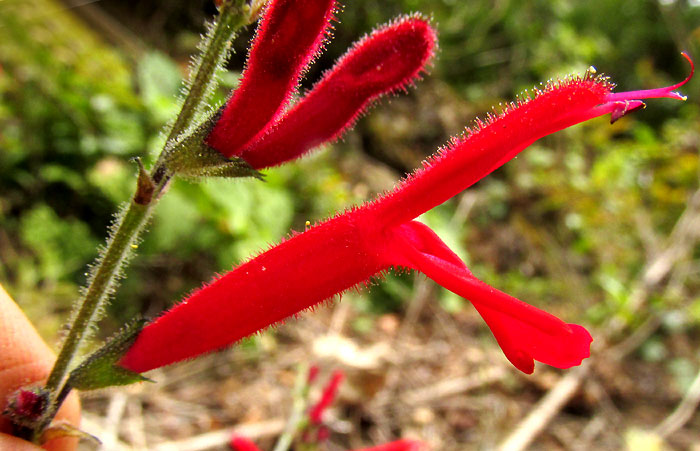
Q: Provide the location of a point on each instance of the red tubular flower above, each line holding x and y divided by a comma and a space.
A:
291, 32
240, 443
399, 445
386, 61
347, 250
327, 397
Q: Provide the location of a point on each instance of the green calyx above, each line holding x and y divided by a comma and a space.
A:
100, 369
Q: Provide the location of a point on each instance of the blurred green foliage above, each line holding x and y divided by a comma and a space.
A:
574, 219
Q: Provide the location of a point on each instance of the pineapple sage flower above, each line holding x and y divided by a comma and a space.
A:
349, 249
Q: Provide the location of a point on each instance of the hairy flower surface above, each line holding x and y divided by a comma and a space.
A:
253, 124
347, 250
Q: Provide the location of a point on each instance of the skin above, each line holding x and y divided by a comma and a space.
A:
25, 359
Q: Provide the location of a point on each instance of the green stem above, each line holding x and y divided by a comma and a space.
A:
231, 18
99, 287
129, 225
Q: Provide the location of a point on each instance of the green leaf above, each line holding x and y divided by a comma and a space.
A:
100, 369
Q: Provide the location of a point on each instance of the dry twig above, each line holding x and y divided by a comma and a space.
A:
451, 387
683, 412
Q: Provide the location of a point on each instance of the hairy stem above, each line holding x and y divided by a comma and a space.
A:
233, 15
101, 284
129, 225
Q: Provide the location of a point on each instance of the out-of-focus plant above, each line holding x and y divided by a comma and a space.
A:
308, 430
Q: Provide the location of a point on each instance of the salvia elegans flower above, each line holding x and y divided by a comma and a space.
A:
241, 443
347, 250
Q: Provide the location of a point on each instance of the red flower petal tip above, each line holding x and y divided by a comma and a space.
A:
524, 332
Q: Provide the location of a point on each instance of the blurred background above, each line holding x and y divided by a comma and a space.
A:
598, 224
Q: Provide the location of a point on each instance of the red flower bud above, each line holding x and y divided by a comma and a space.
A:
252, 123
290, 34
387, 60
27, 406
313, 374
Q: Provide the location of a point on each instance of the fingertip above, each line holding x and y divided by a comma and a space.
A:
61, 444
27, 361
17, 444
